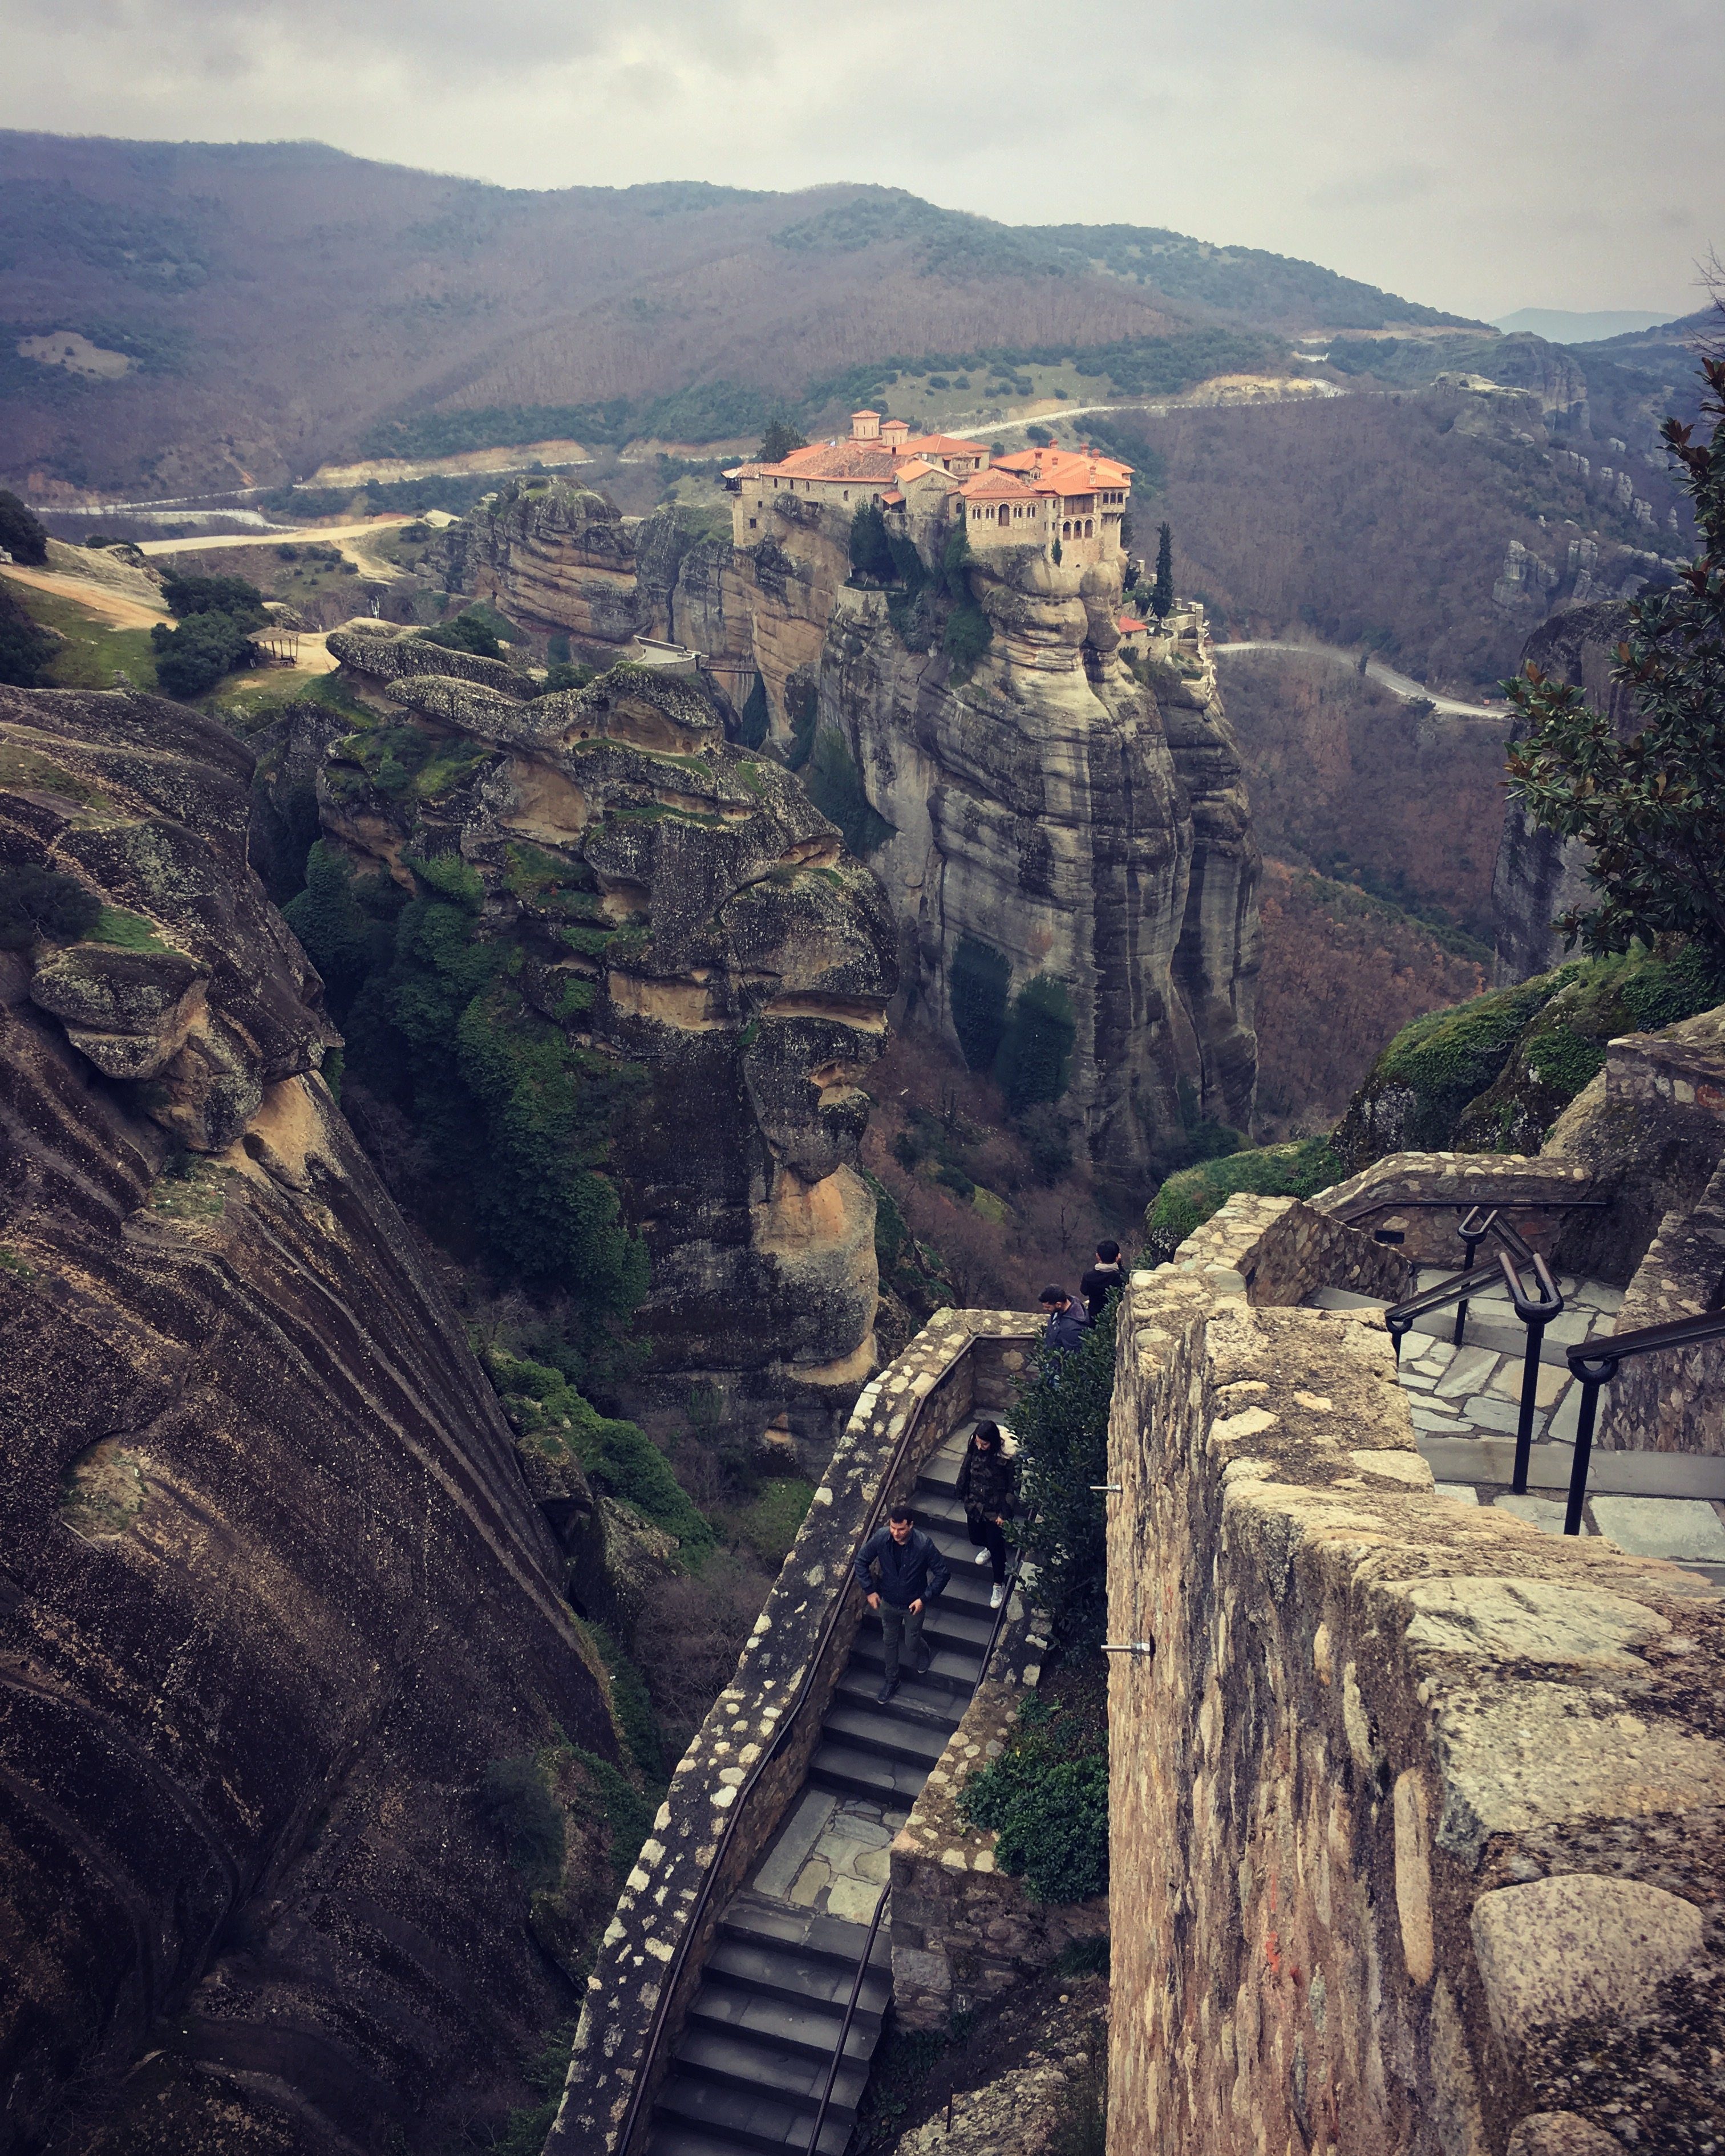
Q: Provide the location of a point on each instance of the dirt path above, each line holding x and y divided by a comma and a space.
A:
309, 534
1400, 685
114, 607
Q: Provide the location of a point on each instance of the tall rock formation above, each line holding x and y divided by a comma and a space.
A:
1082, 817
1538, 874
273, 1593
680, 910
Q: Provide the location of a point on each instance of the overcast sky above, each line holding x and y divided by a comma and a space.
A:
1478, 155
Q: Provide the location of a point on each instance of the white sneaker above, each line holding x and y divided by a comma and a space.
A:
998, 1596
982, 1556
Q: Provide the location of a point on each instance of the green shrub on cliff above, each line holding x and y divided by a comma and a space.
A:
25, 647
22, 533
1188, 1199
37, 901
1062, 1432
870, 549
835, 787
1047, 1796
1036, 1049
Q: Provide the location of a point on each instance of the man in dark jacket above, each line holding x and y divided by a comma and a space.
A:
1067, 1323
912, 1571
1104, 1278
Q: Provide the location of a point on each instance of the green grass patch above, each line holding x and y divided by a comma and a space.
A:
1187, 1200
94, 649
772, 1523
130, 931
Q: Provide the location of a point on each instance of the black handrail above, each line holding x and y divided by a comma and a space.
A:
691, 1925
862, 1970
1595, 1363
1398, 1319
1359, 1209
1536, 1312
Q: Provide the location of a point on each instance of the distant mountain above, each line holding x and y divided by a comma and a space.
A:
1562, 326
181, 316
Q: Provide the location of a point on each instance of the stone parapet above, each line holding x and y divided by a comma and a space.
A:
1276, 1250
1420, 1197
731, 1789
962, 1931
1415, 1811
1674, 1401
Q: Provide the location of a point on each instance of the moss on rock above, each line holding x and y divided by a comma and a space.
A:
1187, 1200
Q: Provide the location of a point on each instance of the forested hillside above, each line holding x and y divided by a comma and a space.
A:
179, 316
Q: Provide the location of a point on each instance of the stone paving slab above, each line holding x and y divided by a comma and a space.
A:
1677, 1527
1547, 1512
1464, 1493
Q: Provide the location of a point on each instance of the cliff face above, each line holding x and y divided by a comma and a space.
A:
681, 910
552, 557
1538, 874
272, 1592
1088, 829
1084, 824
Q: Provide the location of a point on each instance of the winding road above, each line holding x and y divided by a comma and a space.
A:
1386, 677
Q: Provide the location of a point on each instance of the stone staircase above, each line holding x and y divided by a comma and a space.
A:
1464, 1402
759, 2038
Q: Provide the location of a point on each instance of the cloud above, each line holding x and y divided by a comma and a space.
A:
1482, 155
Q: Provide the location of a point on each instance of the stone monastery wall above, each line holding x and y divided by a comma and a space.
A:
1417, 1814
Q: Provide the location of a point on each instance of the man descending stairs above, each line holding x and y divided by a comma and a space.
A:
758, 2043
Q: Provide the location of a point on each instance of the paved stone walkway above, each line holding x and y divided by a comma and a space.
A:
1465, 1402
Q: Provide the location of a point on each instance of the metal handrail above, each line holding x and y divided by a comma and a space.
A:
1595, 1363
1398, 1318
692, 1926
1536, 1312
1358, 1209
862, 1970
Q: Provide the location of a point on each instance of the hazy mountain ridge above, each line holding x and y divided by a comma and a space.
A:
277, 301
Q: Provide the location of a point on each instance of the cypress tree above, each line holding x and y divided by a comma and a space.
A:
1161, 597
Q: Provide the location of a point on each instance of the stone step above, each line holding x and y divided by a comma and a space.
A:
780, 1973
942, 1625
759, 1922
953, 1670
733, 2118
882, 1729
794, 2078
857, 1773
726, 2007
1492, 1324
916, 1699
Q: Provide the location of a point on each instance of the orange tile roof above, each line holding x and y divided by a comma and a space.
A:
920, 468
995, 486
945, 445
871, 461
1068, 471
867, 413
1129, 622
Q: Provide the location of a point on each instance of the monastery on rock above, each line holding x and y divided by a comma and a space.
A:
1032, 498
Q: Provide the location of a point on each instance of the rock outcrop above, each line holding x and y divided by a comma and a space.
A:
681, 907
1081, 824
1538, 874
273, 1593
1084, 823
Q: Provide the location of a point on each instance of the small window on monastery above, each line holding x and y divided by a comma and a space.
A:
753, 521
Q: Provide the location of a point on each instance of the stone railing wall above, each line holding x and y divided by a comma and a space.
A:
1276, 1250
1428, 1233
1674, 1401
1415, 1811
733, 1787
962, 1931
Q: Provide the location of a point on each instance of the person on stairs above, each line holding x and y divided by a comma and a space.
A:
1068, 1322
912, 1571
989, 1491
1105, 1277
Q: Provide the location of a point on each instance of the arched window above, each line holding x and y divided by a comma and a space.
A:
1006, 512
1066, 529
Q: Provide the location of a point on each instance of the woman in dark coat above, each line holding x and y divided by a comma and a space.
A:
988, 1490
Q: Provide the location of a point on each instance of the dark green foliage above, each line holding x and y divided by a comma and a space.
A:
1187, 1200
470, 631
1161, 595
205, 648
523, 2132
1041, 436
563, 674
37, 901
230, 595
1062, 1430
22, 533
703, 412
1446, 1057
627, 1813
547, 1411
1651, 809
1084, 1958
978, 986
516, 1118
1047, 1135
757, 717
802, 697
515, 1796
1047, 1796
1036, 1049
345, 929
870, 549
632, 1707
968, 631
835, 787
780, 438
25, 647
890, 1231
